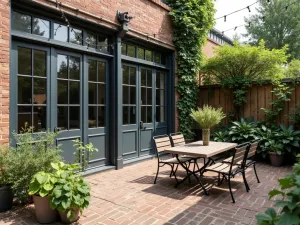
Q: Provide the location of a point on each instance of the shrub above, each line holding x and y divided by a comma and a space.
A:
34, 153
243, 131
207, 117
295, 116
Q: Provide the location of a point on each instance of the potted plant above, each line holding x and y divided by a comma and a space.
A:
41, 187
6, 193
276, 153
207, 117
71, 193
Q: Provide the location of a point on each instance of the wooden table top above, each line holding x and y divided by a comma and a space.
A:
197, 149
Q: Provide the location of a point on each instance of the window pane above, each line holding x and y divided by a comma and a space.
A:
157, 57
92, 116
143, 77
91, 39
24, 90
21, 22
132, 76
60, 32
124, 46
92, 70
144, 114
160, 80
41, 27
39, 118
149, 114
143, 96
149, 96
148, 55
141, 53
132, 95
24, 117
125, 94
163, 59
132, 116
101, 71
92, 93
101, 116
125, 115
74, 92
76, 36
149, 78
160, 97
102, 43
131, 50
125, 75
39, 65
62, 117
62, 66
101, 94
24, 61
160, 114
74, 68
39, 91
74, 117
62, 92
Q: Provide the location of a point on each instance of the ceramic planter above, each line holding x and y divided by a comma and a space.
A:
276, 160
64, 218
43, 212
6, 198
205, 136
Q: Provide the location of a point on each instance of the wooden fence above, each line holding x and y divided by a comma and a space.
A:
259, 96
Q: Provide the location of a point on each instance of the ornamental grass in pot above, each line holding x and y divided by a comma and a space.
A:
207, 117
41, 187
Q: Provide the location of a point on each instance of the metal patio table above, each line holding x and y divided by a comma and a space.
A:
198, 150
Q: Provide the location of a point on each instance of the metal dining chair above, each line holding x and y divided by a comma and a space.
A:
162, 142
230, 170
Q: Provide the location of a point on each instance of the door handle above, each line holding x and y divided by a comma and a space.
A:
141, 125
57, 129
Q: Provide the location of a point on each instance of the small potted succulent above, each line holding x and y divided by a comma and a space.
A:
276, 153
71, 193
207, 117
41, 187
6, 193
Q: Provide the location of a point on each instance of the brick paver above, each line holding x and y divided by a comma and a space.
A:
128, 196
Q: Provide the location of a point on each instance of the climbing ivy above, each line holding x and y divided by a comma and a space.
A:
192, 19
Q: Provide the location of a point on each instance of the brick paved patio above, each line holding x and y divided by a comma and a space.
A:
128, 196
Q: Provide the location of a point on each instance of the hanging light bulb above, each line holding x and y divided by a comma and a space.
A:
248, 7
268, 1
235, 28
225, 18
286, 8
249, 25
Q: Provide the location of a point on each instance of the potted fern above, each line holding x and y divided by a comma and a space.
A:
207, 117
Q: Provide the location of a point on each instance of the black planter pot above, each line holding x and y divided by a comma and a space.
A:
6, 198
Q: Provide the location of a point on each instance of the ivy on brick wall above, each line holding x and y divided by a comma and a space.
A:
192, 19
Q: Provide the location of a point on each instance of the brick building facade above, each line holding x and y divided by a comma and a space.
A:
66, 66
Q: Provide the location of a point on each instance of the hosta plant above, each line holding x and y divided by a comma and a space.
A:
71, 192
266, 136
288, 138
221, 136
243, 131
207, 117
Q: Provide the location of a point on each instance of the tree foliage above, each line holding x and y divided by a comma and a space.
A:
192, 19
293, 69
276, 25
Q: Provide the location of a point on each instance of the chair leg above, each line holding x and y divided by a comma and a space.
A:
229, 185
245, 182
255, 173
156, 174
195, 162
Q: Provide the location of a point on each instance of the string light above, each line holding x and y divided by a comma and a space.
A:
248, 7
224, 18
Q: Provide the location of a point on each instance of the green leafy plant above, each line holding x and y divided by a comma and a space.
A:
221, 136
191, 22
295, 116
243, 131
266, 136
207, 117
288, 138
289, 203
34, 153
83, 151
42, 184
276, 147
282, 93
6, 170
71, 192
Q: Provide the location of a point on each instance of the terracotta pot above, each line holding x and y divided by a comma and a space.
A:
276, 160
64, 217
43, 211
6, 198
205, 136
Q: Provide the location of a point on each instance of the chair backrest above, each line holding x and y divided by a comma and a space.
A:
162, 142
240, 154
253, 148
177, 139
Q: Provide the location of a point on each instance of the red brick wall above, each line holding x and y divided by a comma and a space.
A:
4, 69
